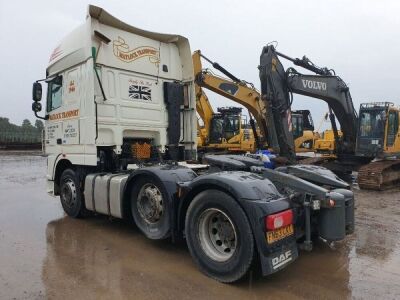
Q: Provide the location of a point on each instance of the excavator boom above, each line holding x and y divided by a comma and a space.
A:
333, 90
274, 90
236, 90
203, 107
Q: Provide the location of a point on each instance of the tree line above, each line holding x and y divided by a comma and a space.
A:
26, 133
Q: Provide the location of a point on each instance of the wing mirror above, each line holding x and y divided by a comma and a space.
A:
37, 96
36, 107
37, 91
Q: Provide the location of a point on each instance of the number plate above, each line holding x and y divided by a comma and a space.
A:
279, 234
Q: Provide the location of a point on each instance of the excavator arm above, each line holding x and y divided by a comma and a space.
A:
333, 90
274, 90
277, 85
238, 91
203, 107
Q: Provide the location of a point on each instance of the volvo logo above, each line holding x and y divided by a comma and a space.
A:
315, 85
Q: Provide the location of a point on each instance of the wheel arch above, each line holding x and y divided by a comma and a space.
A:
61, 166
184, 205
257, 196
167, 177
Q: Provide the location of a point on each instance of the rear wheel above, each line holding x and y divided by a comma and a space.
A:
149, 207
219, 236
71, 195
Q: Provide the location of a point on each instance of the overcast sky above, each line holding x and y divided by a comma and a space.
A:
359, 39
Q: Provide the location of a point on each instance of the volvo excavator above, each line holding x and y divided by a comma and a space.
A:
247, 95
370, 141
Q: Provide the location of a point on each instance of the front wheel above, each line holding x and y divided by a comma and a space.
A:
219, 236
71, 195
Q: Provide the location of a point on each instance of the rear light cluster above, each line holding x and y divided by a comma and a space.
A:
279, 220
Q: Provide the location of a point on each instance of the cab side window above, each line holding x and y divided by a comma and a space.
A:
54, 94
297, 126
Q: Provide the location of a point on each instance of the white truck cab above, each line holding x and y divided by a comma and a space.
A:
107, 92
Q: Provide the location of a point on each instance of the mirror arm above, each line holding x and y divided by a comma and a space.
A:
46, 117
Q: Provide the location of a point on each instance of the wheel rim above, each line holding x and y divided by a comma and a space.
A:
150, 203
217, 235
68, 193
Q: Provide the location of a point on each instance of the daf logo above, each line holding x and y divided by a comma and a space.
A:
315, 85
281, 259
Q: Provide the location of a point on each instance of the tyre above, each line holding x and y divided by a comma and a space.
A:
149, 207
71, 195
219, 236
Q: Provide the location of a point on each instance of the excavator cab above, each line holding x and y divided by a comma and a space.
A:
303, 131
375, 133
225, 124
308, 123
302, 121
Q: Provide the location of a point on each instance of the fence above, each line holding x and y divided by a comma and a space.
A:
21, 139
10, 137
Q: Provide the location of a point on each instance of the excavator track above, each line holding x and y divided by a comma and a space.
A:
379, 175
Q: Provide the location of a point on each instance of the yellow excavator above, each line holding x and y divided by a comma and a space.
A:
304, 133
379, 137
224, 131
244, 93
325, 144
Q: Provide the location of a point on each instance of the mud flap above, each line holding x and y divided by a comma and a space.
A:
279, 259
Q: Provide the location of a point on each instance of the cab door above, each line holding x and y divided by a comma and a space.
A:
297, 123
231, 126
53, 136
392, 137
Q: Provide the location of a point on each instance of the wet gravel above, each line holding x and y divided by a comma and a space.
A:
44, 254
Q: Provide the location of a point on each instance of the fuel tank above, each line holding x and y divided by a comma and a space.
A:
104, 193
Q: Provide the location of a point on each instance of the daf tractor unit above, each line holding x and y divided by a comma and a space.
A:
120, 123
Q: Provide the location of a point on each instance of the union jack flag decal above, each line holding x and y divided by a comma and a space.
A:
139, 92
